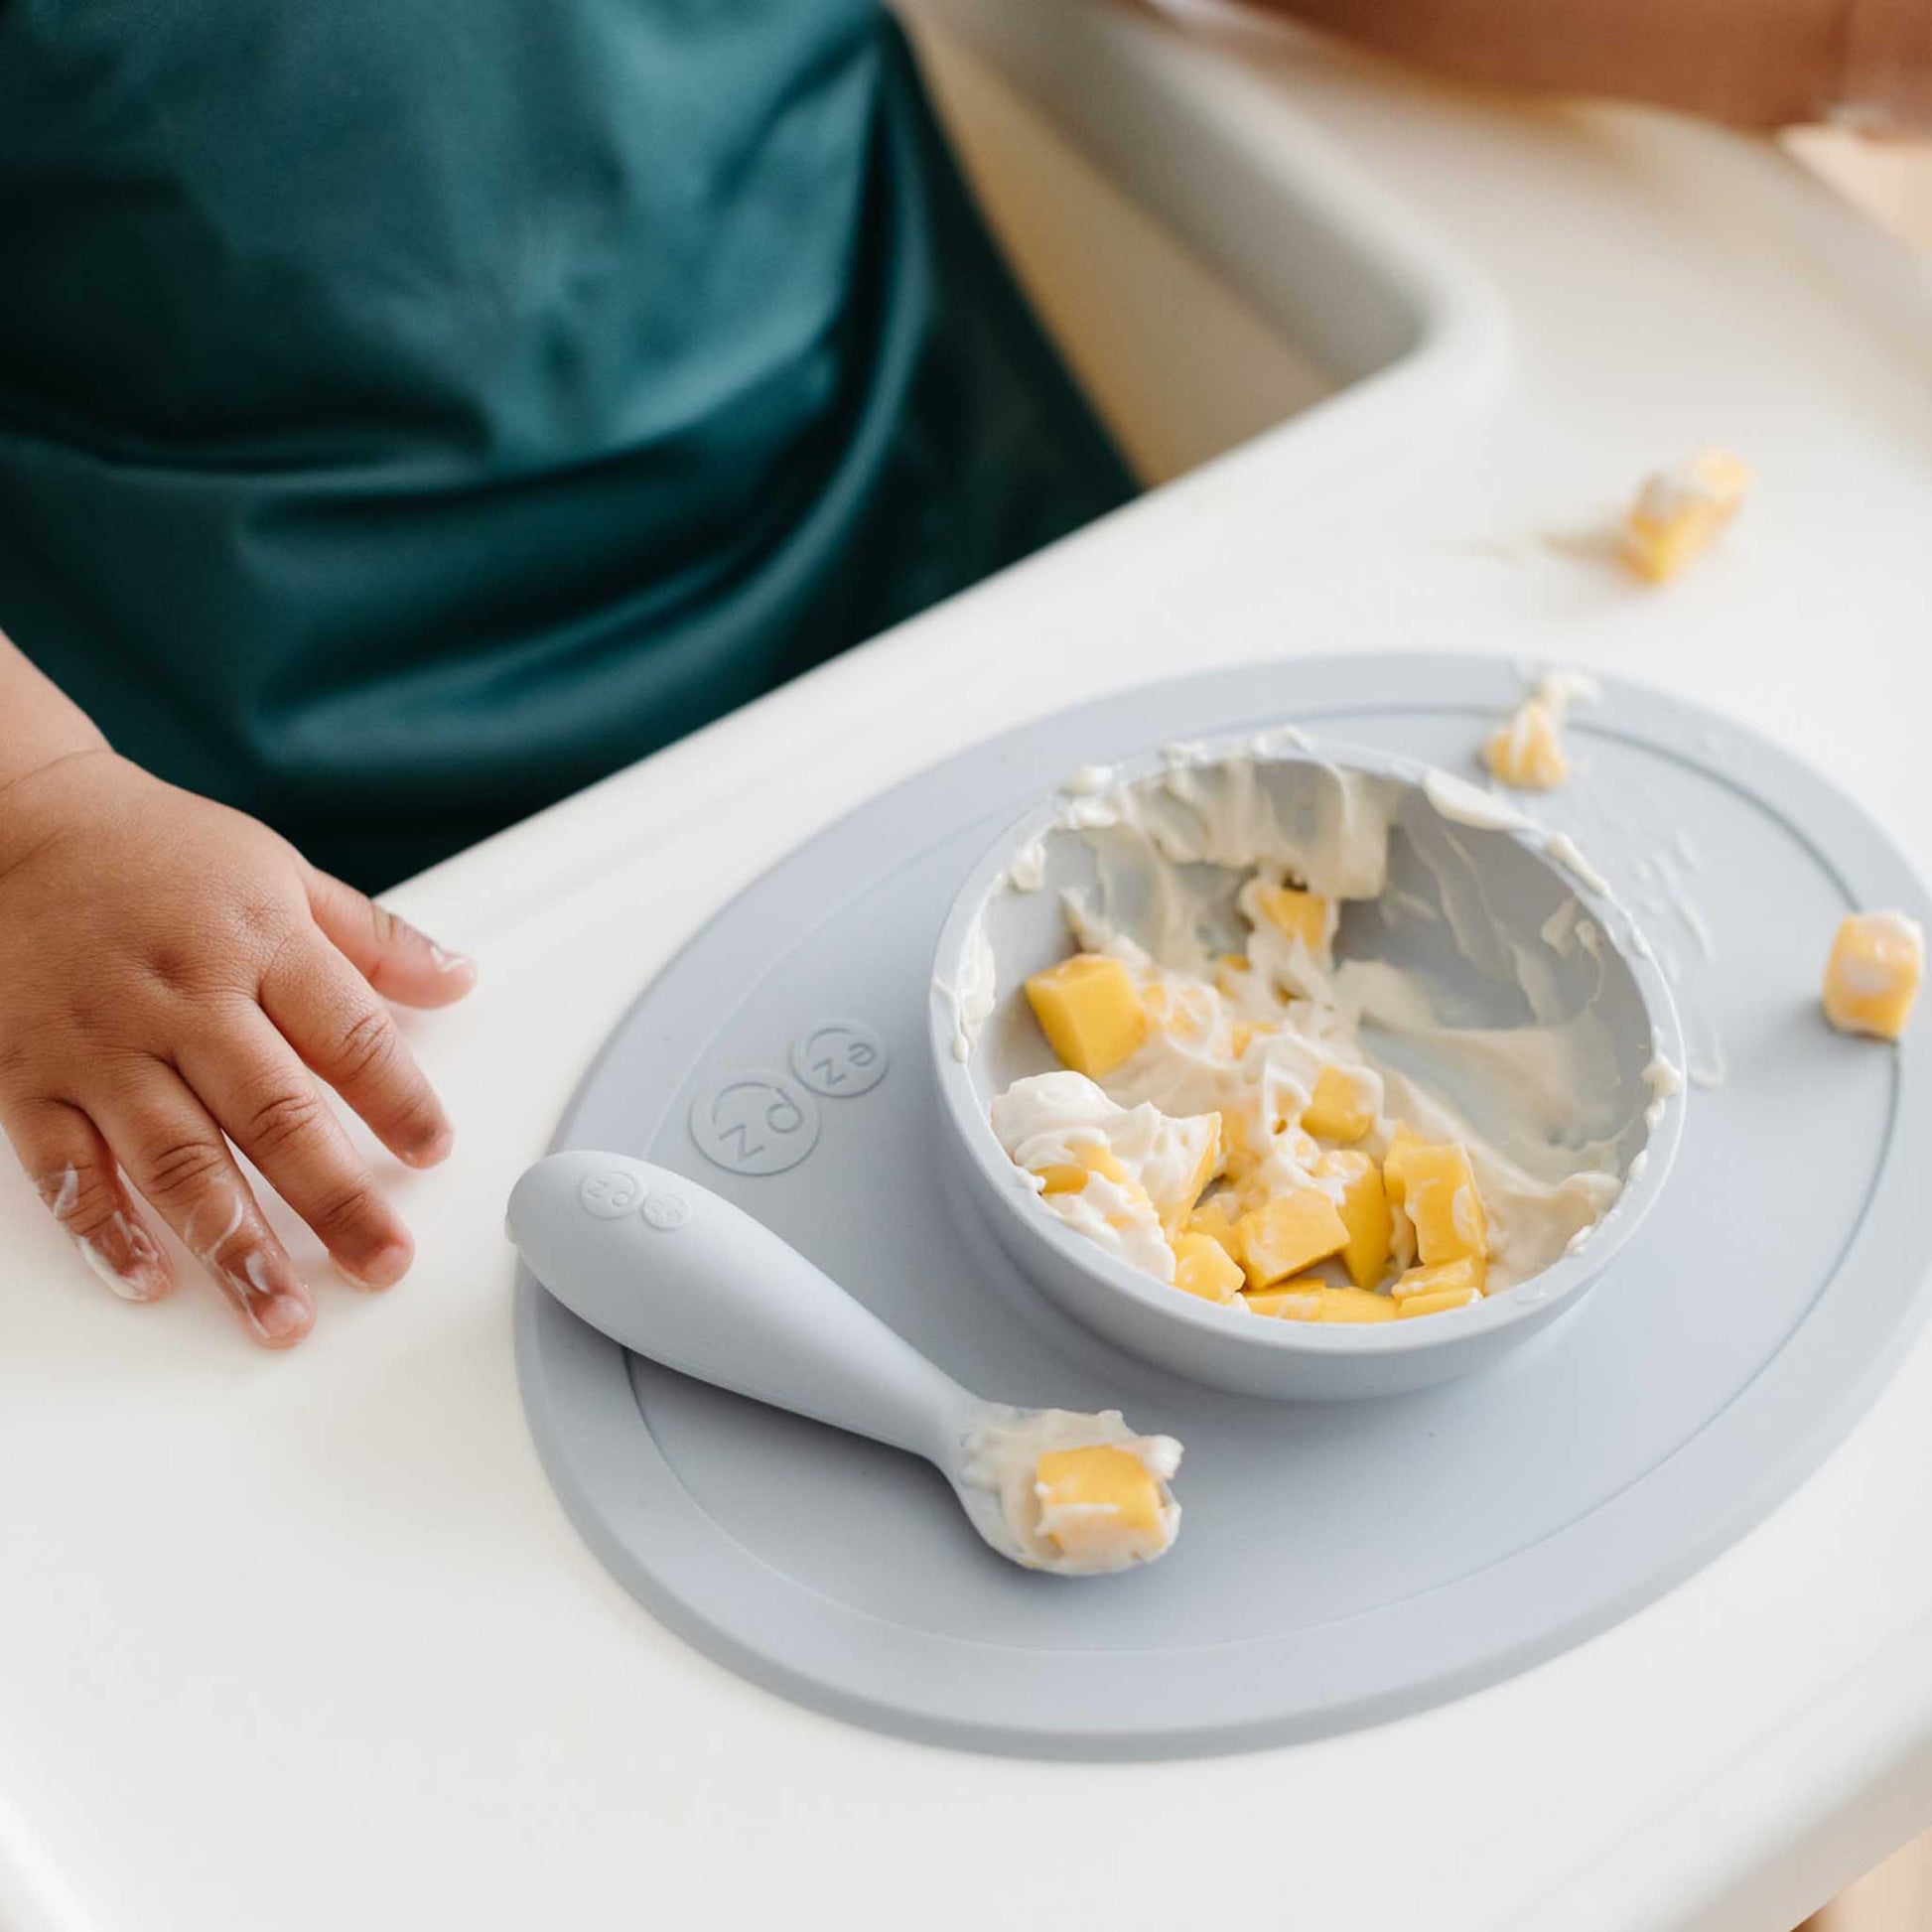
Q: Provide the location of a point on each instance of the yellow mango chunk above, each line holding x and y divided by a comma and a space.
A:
1339, 1109
1460, 1278
1295, 1300
1092, 1498
1088, 1160
1090, 1012
1680, 512
1239, 1154
1447, 1298
1228, 971
1873, 976
1203, 1267
1437, 1191
1288, 1233
1402, 1241
1527, 752
1314, 1300
1218, 1218
1174, 1213
1300, 915
1354, 1304
1364, 1211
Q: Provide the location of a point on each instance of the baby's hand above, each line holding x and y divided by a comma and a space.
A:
172, 974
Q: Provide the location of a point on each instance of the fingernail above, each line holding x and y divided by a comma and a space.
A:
128, 1262
436, 1148
131, 1284
279, 1315
281, 1319
450, 962
385, 1268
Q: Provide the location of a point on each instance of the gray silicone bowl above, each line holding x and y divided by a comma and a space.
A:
1521, 888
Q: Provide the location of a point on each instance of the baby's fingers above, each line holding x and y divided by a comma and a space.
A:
397, 960
269, 1107
175, 1153
346, 1034
77, 1176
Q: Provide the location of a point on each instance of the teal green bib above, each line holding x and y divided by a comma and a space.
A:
410, 412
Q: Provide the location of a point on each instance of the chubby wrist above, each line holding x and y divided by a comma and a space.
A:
38, 803
40, 725
20, 763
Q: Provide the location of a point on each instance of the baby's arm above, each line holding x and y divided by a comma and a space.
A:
174, 978
1756, 63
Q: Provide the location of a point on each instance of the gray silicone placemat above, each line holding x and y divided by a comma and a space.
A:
1339, 1564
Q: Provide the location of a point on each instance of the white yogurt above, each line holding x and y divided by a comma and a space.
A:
1248, 1042
1663, 1079
972, 996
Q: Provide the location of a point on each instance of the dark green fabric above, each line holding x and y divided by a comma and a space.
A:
413, 409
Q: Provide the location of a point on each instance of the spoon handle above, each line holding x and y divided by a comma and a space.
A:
673, 1272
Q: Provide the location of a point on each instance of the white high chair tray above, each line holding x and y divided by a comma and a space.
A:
329, 1598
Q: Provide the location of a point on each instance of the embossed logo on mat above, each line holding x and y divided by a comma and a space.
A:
840, 1059
755, 1122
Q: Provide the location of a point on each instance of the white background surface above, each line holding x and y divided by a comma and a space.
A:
305, 1642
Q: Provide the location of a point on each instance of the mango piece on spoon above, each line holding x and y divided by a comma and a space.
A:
1099, 1504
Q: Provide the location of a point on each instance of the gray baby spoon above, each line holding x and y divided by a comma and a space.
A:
671, 1271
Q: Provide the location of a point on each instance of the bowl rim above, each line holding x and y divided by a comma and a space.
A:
1537, 1298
